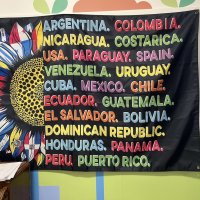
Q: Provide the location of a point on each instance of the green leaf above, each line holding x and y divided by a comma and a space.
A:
184, 3
174, 3
41, 6
171, 3
59, 6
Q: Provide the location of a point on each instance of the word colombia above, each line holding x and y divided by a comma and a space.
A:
95, 25
101, 93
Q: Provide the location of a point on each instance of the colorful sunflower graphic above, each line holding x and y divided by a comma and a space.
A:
21, 94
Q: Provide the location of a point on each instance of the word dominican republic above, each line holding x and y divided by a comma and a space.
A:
93, 93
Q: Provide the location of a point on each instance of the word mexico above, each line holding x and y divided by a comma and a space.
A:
101, 92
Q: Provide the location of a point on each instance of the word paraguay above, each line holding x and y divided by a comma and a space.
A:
101, 56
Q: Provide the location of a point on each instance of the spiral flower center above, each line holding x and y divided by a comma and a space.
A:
26, 92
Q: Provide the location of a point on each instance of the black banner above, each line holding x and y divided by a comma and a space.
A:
93, 93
